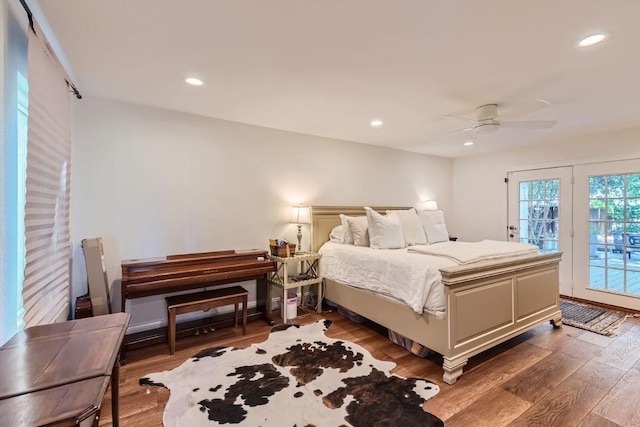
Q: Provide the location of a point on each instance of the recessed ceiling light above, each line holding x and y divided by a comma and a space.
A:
376, 123
592, 40
468, 143
193, 81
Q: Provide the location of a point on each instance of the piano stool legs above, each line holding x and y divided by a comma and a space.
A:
198, 301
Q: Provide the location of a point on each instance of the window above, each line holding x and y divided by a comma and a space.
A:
14, 110
21, 175
35, 243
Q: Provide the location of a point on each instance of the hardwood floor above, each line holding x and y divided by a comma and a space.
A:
545, 377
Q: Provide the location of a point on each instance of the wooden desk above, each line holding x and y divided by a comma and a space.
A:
69, 362
73, 404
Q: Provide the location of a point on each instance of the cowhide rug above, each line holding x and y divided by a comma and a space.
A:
297, 377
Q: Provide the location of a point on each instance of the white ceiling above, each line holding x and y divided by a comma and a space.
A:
327, 67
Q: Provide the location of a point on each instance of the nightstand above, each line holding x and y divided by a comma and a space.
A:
294, 272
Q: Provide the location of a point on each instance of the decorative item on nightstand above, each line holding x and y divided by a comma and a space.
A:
300, 215
282, 248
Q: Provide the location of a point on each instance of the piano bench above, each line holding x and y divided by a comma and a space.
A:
188, 303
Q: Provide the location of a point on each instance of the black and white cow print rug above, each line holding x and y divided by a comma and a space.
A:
297, 377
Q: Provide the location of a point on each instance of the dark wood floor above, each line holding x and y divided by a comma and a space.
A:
545, 377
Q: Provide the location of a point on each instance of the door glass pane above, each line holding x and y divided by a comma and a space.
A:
633, 185
633, 213
615, 186
614, 227
616, 209
550, 246
538, 221
597, 277
553, 188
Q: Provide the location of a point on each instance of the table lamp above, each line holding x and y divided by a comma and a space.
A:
300, 215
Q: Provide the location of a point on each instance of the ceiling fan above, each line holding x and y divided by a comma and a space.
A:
488, 120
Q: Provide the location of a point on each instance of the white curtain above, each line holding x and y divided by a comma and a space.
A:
46, 287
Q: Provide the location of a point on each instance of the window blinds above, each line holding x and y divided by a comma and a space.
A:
46, 287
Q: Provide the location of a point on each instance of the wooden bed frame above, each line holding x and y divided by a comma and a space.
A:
487, 302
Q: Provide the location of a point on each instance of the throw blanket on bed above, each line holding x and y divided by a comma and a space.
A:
470, 252
413, 279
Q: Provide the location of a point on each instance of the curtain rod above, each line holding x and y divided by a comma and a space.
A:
30, 17
29, 14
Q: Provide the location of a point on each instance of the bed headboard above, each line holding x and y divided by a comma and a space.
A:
325, 218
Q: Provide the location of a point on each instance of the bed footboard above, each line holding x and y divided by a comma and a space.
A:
492, 302
487, 304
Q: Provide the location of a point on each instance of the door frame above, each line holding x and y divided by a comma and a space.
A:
581, 221
565, 214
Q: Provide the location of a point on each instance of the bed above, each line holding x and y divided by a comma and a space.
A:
487, 302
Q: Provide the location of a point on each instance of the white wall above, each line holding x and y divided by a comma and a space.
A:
480, 193
152, 183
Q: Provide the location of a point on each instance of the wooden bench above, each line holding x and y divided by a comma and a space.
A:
188, 303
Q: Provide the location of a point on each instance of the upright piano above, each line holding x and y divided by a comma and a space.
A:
174, 273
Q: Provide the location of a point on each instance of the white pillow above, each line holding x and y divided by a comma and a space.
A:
434, 226
348, 236
411, 227
385, 232
358, 233
337, 234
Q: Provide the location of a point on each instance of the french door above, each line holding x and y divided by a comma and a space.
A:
540, 204
607, 238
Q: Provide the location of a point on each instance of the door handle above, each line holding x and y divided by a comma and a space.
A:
511, 227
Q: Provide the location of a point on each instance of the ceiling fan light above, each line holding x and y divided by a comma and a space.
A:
483, 128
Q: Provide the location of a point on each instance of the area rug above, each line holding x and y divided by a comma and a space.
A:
592, 318
297, 377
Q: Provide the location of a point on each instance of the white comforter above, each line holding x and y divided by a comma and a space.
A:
409, 277
470, 252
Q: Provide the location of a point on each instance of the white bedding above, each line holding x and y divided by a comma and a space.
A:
469, 252
408, 277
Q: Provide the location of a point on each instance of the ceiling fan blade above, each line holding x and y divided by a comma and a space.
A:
534, 124
526, 108
466, 129
466, 119
445, 134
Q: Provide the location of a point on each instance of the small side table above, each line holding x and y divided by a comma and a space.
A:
294, 272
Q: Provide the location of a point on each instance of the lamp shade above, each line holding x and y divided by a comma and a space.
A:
300, 215
430, 205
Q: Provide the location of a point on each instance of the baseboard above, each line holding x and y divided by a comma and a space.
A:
161, 323
599, 304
